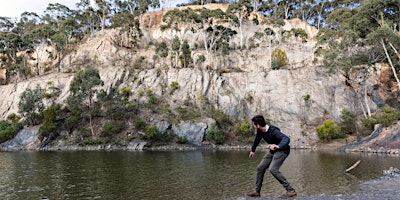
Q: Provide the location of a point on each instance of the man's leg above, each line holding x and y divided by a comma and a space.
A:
278, 158
261, 168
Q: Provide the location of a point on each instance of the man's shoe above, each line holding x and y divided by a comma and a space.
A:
253, 194
289, 193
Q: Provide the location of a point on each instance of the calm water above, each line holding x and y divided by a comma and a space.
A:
176, 174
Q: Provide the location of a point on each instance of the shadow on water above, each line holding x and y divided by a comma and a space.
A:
176, 174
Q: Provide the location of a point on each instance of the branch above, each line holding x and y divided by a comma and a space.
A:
353, 166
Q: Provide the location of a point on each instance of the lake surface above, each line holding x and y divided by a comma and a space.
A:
177, 174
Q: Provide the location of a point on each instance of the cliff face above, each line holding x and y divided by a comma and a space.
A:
240, 84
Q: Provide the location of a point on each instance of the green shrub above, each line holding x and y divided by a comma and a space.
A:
182, 140
387, 117
215, 134
329, 130
49, 118
125, 91
155, 137
279, 56
8, 130
113, 128
348, 121
140, 124
244, 131
14, 118
301, 33
95, 141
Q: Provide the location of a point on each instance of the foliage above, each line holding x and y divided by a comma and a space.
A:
8, 130
13, 118
215, 134
388, 116
244, 131
186, 56
31, 105
152, 135
348, 121
329, 130
279, 58
83, 90
113, 128
94, 141
301, 33
49, 117
182, 140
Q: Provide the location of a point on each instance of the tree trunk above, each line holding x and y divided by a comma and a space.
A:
90, 117
391, 64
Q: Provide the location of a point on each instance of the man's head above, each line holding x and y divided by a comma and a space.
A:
259, 120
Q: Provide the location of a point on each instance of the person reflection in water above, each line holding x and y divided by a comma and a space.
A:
279, 149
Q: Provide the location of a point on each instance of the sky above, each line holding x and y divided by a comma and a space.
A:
14, 8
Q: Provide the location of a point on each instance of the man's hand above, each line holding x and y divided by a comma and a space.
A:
251, 154
273, 147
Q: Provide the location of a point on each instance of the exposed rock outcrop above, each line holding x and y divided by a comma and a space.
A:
240, 84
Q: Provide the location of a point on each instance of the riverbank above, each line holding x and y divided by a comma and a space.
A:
385, 187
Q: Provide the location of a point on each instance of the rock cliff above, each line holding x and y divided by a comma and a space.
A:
240, 84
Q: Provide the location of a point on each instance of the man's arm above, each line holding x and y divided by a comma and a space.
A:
285, 140
256, 141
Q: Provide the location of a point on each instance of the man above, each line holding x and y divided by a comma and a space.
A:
279, 149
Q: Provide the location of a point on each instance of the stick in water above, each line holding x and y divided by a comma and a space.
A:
353, 166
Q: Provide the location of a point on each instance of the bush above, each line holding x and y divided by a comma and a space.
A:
49, 117
244, 131
113, 128
301, 33
279, 56
14, 118
182, 140
215, 134
8, 131
387, 117
329, 131
348, 121
157, 138
95, 141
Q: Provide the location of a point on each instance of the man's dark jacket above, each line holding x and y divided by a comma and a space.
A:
272, 136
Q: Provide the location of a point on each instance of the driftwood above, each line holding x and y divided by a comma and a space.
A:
353, 166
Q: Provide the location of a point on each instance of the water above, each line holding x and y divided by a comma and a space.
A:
176, 174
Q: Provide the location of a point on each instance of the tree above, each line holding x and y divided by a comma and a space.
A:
186, 57
162, 50
103, 11
87, 17
202, 21
83, 89
354, 41
31, 105
6, 24
242, 10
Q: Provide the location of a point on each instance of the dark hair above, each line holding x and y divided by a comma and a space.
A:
259, 120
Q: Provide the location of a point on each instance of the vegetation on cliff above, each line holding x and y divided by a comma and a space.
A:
353, 36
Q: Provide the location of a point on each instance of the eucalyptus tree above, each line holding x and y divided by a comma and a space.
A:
10, 44
31, 105
62, 21
86, 15
282, 9
84, 88
355, 40
7, 24
126, 17
103, 11
242, 10
207, 23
